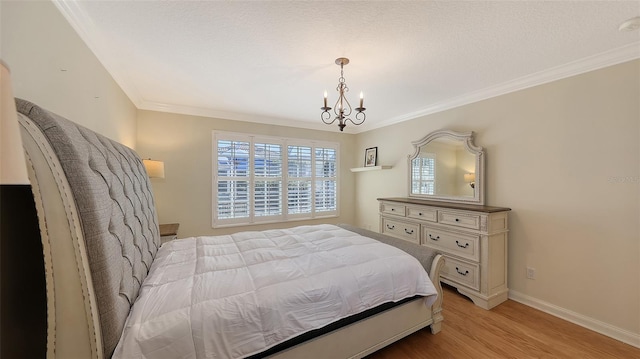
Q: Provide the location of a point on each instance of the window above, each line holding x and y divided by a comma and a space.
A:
423, 174
259, 179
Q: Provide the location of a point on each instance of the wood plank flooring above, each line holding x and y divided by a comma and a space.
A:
510, 330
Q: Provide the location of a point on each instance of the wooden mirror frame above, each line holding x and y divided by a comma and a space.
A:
478, 152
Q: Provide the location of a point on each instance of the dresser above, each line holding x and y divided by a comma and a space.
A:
472, 238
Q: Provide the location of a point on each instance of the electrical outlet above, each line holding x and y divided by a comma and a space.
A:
531, 273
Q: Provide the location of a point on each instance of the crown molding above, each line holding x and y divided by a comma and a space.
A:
591, 63
236, 116
85, 28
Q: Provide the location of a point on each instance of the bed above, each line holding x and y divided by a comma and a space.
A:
104, 260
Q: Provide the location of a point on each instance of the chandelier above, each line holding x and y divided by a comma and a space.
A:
342, 108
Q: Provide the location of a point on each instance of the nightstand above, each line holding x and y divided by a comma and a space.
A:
168, 232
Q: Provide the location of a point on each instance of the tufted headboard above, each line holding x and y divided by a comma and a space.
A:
99, 230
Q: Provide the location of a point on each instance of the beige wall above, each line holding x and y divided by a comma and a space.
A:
556, 155
52, 67
184, 144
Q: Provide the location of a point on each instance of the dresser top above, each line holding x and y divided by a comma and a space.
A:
462, 206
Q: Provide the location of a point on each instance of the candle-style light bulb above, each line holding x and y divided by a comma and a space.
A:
325, 98
361, 99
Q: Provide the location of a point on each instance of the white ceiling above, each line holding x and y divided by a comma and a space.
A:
270, 61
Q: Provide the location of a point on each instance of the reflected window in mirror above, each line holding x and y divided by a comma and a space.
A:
423, 174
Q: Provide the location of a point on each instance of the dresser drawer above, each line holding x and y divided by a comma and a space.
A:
458, 219
463, 245
403, 230
390, 208
425, 214
461, 272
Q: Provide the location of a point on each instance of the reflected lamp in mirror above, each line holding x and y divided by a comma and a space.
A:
470, 178
155, 169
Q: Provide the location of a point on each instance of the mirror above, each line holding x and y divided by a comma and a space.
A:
447, 166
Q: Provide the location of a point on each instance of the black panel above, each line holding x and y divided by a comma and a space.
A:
23, 305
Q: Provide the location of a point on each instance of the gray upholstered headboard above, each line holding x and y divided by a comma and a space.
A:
99, 229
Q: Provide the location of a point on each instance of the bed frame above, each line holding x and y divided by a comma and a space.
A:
99, 232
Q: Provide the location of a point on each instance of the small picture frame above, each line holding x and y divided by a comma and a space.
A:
371, 157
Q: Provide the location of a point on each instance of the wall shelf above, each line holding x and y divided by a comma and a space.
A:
372, 168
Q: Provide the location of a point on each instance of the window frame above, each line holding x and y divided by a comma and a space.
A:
252, 219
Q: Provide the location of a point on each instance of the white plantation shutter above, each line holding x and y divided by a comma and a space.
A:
233, 179
268, 179
326, 179
423, 174
258, 179
299, 192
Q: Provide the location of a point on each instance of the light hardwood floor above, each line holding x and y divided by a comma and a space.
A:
510, 330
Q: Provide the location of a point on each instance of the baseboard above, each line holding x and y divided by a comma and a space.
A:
603, 328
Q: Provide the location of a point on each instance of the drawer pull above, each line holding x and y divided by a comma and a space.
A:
390, 227
462, 273
408, 231
420, 214
461, 246
393, 209
457, 220
434, 238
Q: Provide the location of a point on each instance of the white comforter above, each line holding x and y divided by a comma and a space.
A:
236, 295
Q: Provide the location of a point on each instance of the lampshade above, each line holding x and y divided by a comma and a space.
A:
469, 177
155, 169
13, 169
